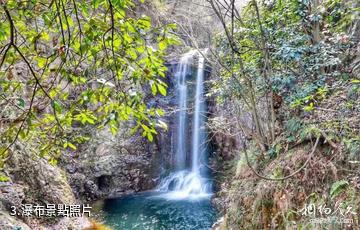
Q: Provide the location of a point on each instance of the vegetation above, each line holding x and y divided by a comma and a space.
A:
286, 65
284, 92
288, 51
68, 64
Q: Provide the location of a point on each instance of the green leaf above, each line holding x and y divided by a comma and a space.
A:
22, 134
57, 107
41, 62
150, 136
160, 112
4, 178
173, 41
153, 89
45, 36
145, 22
132, 54
162, 45
128, 38
309, 108
171, 26
337, 188
140, 49
53, 161
162, 89
53, 93
355, 81
71, 145
21, 102
145, 127
113, 130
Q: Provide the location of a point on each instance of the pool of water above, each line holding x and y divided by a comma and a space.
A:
152, 211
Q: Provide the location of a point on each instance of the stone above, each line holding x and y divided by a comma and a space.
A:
72, 224
11, 194
8, 222
41, 183
111, 165
50, 181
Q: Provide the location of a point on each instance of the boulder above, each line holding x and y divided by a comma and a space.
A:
47, 181
8, 222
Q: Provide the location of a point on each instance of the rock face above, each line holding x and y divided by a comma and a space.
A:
34, 181
8, 222
11, 195
106, 166
50, 181
110, 166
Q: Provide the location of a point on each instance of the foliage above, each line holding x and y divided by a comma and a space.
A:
337, 188
340, 14
297, 51
66, 64
293, 127
309, 101
353, 146
283, 48
4, 178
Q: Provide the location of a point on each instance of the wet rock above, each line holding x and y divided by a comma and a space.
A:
219, 203
218, 224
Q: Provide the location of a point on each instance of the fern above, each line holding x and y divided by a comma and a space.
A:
337, 188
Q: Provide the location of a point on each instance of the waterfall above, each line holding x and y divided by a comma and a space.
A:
188, 182
198, 139
181, 73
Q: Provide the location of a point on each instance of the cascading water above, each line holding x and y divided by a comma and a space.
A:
178, 202
182, 72
188, 182
198, 139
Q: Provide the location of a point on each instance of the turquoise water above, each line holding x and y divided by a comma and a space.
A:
148, 211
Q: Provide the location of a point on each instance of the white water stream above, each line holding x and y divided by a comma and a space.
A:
188, 182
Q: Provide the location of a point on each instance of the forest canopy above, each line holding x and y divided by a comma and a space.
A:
66, 64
